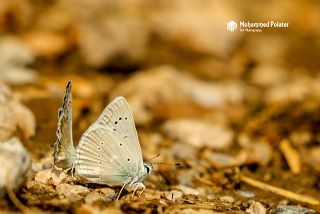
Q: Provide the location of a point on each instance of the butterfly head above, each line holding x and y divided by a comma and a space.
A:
148, 167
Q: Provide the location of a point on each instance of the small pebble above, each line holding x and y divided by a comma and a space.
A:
187, 190
227, 198
256, 208
173, 195
245, 194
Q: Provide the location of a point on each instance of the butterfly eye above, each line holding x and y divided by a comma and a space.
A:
120, 118
116, 122
147, 168
128, 159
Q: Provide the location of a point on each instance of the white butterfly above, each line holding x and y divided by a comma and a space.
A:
108, 152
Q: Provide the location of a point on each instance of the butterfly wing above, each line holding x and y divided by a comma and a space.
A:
109, 151
102, 157
63, 147
118, 117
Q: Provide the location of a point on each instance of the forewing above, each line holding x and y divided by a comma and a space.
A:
118, 117
102, 157
63, 147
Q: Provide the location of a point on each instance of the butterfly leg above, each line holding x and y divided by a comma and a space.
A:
72, 170
69, 170
143, 187
137, 186
125, 184
135, 189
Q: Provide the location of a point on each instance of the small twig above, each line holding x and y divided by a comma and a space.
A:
291, 155
279, 191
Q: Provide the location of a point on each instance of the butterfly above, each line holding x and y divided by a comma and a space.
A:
108, 152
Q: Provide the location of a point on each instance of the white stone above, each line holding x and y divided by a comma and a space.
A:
173, 195
199, 133
15, 165
256, 208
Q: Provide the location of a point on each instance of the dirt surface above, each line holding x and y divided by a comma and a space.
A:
234, 116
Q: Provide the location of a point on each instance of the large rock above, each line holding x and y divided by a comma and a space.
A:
165, 85
15, 165
199, 133
14, 61
14, 116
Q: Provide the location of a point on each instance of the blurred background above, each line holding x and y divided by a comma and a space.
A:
200, 95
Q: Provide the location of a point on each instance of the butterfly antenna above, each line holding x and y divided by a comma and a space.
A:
170, 164
153, 158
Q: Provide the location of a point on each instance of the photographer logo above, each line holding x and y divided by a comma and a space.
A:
232, 26
256, 27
